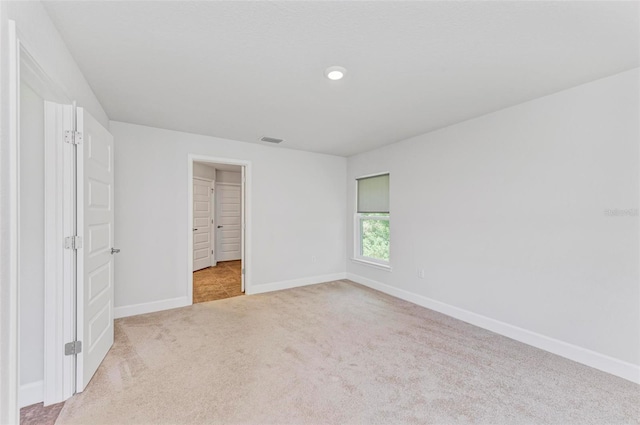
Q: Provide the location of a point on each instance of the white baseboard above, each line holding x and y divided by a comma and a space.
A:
151, 307
578, 354
31, 394
294, 283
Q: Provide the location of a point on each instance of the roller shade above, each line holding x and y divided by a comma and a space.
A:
373, 194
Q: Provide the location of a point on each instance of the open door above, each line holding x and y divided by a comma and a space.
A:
95, 219
228, 220
201, 223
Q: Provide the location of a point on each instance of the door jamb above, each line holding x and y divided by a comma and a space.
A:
24, 67
59, 263
10, 327
214, 222
246, 261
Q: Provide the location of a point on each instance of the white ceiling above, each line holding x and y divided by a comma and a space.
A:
242, 70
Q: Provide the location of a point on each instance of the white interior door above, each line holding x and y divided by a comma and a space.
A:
228, 221
95, 227
201, 223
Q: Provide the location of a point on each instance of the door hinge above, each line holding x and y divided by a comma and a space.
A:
73, 242
73, 137
243, 270
71, 348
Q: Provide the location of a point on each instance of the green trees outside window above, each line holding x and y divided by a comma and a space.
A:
375, 238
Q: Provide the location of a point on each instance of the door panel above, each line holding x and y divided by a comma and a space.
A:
201, 223
228, 220
95, 218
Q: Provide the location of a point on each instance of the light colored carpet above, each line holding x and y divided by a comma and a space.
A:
38, 414
336, 353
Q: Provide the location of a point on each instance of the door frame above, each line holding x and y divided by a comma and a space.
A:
59, 263
9, 325
246, 240
212, 229
58, 320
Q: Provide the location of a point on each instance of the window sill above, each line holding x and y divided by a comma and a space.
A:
384, 267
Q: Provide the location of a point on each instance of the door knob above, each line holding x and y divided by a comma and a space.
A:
195, 230
115, 250
220, 226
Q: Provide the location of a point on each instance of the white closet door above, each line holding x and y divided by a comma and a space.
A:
95, 261
228, 221
201, 223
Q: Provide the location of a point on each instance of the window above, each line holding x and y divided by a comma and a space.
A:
372, 220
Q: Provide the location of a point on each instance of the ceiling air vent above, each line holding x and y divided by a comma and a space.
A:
271, 140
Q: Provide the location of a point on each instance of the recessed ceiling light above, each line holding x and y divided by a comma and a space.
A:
335, 72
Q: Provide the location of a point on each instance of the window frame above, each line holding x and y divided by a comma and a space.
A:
357, 229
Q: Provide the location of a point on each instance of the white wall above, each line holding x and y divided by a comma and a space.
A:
223, 176
204, 171
210, 172
31, 290
38, 33
506, 215
297, 211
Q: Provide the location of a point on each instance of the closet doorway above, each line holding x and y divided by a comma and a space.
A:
217, 231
